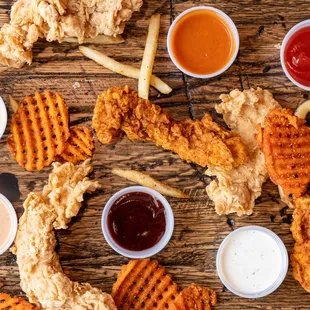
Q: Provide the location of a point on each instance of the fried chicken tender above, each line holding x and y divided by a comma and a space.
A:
203, 142
56, 19
300, 257
42, 277
237, 189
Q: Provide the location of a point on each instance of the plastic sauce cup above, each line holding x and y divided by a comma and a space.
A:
230, 251
158, 246
230, 24
286, 39
3, 117
13, 218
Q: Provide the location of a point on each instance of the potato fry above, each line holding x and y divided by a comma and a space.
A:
14, 104
149, 57
122, 69
148, 181
303, 110
100, 39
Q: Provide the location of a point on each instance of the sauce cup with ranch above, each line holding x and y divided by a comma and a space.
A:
252, 262
203, 42
8, 224
137, 222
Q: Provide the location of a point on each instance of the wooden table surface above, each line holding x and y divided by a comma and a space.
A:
190, 255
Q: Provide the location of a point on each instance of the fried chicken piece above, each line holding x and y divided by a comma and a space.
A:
300, 256
56, 19
237, 189
285, 140
203, 142
42, 277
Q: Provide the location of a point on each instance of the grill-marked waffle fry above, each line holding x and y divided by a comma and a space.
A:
195, 297
285, 141
14, 303
144, 284
39, 130
79, 146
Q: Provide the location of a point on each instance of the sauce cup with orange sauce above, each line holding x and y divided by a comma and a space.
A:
203, 42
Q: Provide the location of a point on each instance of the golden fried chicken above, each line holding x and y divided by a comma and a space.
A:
237, 189
285, 140
203, 142
56, 19
300, 256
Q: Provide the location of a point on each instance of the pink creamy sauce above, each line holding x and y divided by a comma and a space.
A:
6, 224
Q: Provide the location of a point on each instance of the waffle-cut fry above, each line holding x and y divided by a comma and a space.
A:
144, 284
196, 297
14, 303
39, 130
285, 141
79, 146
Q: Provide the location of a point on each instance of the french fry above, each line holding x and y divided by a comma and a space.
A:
100, 39
148, 181
149, 57
122, 69
14, 104
303, 110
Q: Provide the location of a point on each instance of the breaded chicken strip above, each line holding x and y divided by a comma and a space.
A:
300, 256
203, 142
56, 19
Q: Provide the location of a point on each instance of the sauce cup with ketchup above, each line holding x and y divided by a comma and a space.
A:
295, 55
203, 42
137, 222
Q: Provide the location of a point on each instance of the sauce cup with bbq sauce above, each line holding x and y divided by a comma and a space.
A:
137, 222
203, 42
295, 55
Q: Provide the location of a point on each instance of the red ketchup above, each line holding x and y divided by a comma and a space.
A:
137, 221
297, 56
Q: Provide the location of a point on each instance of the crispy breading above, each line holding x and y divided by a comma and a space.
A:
14, 303
237, 189
195, 297
40, 129
300, 257
203, 142
285, 141
42, 277
144, 284
57, 19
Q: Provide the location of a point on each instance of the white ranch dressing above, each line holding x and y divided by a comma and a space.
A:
6, 225
251, 261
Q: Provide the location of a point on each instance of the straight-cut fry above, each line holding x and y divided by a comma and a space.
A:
100, 39
122, 69
149, 57
303, 110
13, 103
148, 181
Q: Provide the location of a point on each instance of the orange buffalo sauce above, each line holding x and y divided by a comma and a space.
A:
202, 42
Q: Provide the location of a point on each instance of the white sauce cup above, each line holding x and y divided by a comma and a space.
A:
3, 117
282, 273
235, 37
13, 218
286, 39
158, 246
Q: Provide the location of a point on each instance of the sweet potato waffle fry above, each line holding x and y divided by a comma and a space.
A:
79, 146
195, 297
39, 130
285, 141
14, 303
144, 284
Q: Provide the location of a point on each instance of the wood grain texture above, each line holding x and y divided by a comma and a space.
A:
190, 255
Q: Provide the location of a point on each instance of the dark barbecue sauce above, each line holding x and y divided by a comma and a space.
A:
137, 221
